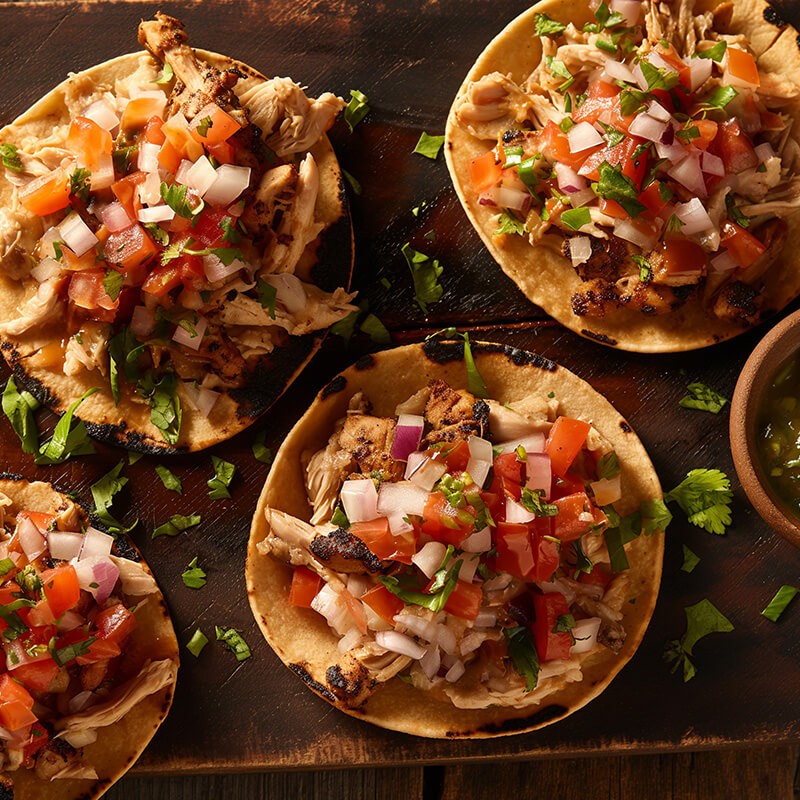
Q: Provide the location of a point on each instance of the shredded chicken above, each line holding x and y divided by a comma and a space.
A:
41, 308
87, 350
506, 423
326, 470
135, 581
59, 760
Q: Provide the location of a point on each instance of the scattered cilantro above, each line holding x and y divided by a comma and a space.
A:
193, 576
133, 457
582, 562
778, 604
509, 224
6, 565
645, 268
559, 70
444, 584
688, 133
112, 283
534, 502
177, 523
705, 496
121, 156
123, 349
67, 441
612, 136
425, 273
607, 18
566, 124
690, 560
631, 101
339, 518
165, 405
658, 78
10, 157
547, 26
59, 253
227, 255
346, 327
224, 472
261, 452
738, 217
375, 329
19, 406
715, 53
175, 197
166, 74
159, 235
523, 655
674, 225
267, 295
103, 493
357, 109
203, 126
429, 146
475, 382
64, 655
719, 98
761, 168
702, 619
354, 184
233, 641
703, 398
576, 218
613, 185
196, 644
608, 466
386, 283
169, 479
80, 184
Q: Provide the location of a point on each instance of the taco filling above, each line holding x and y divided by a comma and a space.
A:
69, 607
462, 546
174, 228
652, 150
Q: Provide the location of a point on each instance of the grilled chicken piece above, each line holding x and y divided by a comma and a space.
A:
368, 440
198, 83
326, 470
341, 551
455, 414
359, 672
273, 196
608, 255
58, 759
601, 297
41, 308
738, 302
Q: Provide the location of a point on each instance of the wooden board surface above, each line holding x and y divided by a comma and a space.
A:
409, 59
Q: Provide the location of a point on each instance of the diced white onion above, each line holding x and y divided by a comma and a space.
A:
699, 71
183, 171
480, 449
568, 180
360, 500
148, 157
724, 262
423, 470
625, 229
694, 217
184, 337
455, 672
648, 128
487, 618
96, 544
115, 217
711, 164
64, 545
333, 608
358, 585
398, 643
517, 513
204, 399
478, 471
689, 175
102, 113
478, 542
515, 199
398, 524
350, 640
580, 249
77, 235
657, 111
630, 10
402, 497
159, 213
47, 268
215, 270
143, 320
201, 175
424, 628
764, 152
68, 621
581, 198
80, 701
230, 182
470, 643
429, 558
289, 291
538, 470
585, 633
532, 443
103, 174
674, 152
607, 490
583, 136
498, 583
31, 539
431, 662
618, 71
150, 189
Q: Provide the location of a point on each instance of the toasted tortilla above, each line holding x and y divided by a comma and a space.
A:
545, 276
327, 262
301, 637
120, 744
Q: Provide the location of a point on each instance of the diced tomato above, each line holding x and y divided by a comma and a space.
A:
567, 485
457, 457
40, 519
305, 587
708, 132
743, 246
78, 263
598, 576
734, 147
465, 600
152, 130
494, 502
385, 604
550, 645
115, 623
566, 438
40, 615
771, 121
546, 550
485, 171
61, 588
125, 191
567, 526
508, 476
129, 248
614, 209
670, 55
207, 231
99, 650
39, 737
164, 278
514, 550
222, 152
169, 157
680, 255
139, 111
621, 155
598, 99
89, 141
15, 715
12, 692
742, 65
87, 291
441, 521
219, 125
376, 535
47, 194
178, 135
37, 676
128, 300
651, 198
555, 146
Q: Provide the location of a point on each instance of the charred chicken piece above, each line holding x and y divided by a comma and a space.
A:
369, 440
737, 302
608, 255
601, 297
454, 414
341, 551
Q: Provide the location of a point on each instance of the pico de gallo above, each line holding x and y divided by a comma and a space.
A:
67, 614
462, 546
650, 153
172, 230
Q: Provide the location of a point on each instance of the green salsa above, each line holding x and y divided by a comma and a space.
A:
778, 433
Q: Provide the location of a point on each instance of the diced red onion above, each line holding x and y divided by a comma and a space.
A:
184, 337
215, 270
402, 497
63, 545
585, 633
31, 539
583, 136
143, 320
203, 398
47, 268
568, 180
429, 557
423, 470
115, 217
201, 175
711, 164
618, 71
648, 128
639, 76
102, 113
237, 209
517, 513
159, 213
485, 200
498, 583
539, 473
68, 621
724, 262
675, 153
694, 217
399, 643
607, 490
625, 229
515, 199
148, 157
80, 701
230, 182
358, 585
407, 436
106, 574
431, 662
289, 291
764, 152
580, 249
478, 542
360, 500
77, 235
96, 544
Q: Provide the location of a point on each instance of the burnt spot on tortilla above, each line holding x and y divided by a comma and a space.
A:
335, 250
365, 362
305, 676
6, 788
546, 715
121, 434
336, 385
444, 352
98, 789
509, 136
123, 547
599, 337
339, 547
774, 18
625, 427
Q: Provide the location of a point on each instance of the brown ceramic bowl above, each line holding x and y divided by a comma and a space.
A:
760, 368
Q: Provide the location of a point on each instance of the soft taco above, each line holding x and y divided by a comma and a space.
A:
90, 656
636, 169
173, 229
450, 566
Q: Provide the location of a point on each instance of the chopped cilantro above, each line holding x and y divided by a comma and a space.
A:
166, 74
267, 295
170, 480
778, 604
559, 70
203, 126
19, 406
445, 580
645, 268
715, 53
224, 472
193, 576
690, 560
175, 197
158, 233
534, 502
67, 441
658, 78
177, 523
688, 133
608, 47
80, 184
608, 466
475, 382
196, 644
703, 398
674, 225
705, 497
375, 329
719, 98
103, 493
123, 349
547, 26
339, 518
357, 109
576, 218
614, 185
64, 655
165, 405
233, 641
354, 184
611, 135
429, 146
261, 452
10, 157
509, 225
523, 655
742, 220
702, 619
112, 283
425, 273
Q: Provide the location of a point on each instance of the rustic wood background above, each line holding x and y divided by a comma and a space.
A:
409, 58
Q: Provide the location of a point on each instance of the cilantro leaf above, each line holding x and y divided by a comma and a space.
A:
67, 441
177, 523
690, 560
429, 146
103, 492
445, 583
546, 26
230, 234
632, 100
165, 405
120, 347
19, 406
715, 53
607, 18
80, 184
224, 472
170, 480
339, 518
778, 604
655, 516
702, 619
425, 273
158, 233
121, 156
509, 224
261, 452
175, 197
523, 655
10, 157
475, 382
658, 78
611, 135
166, 74
703, 398
196, 644
233, 641
705, 496
614, 185
576, 218
375, 329
112, 283
353, 181
534, 502
608, 466
193, 576
64, 655
357, 109
719, 98
559, 70
645, 268
267, 295
346, 326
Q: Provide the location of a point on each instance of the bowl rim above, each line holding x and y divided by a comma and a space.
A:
777, 346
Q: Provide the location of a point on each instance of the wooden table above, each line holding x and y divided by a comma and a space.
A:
409, 59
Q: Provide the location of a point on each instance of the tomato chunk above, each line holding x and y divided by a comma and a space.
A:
86, 290
545, 549
15, 704
37, 676
47, 194
61, 588
385, 604
743, 246
514, 550
567, 523
549, 644
565, 441
305, 587
485, 171
130, 248
164, 278
441, 520
733, 145
115, 623
217, 124
465, 600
